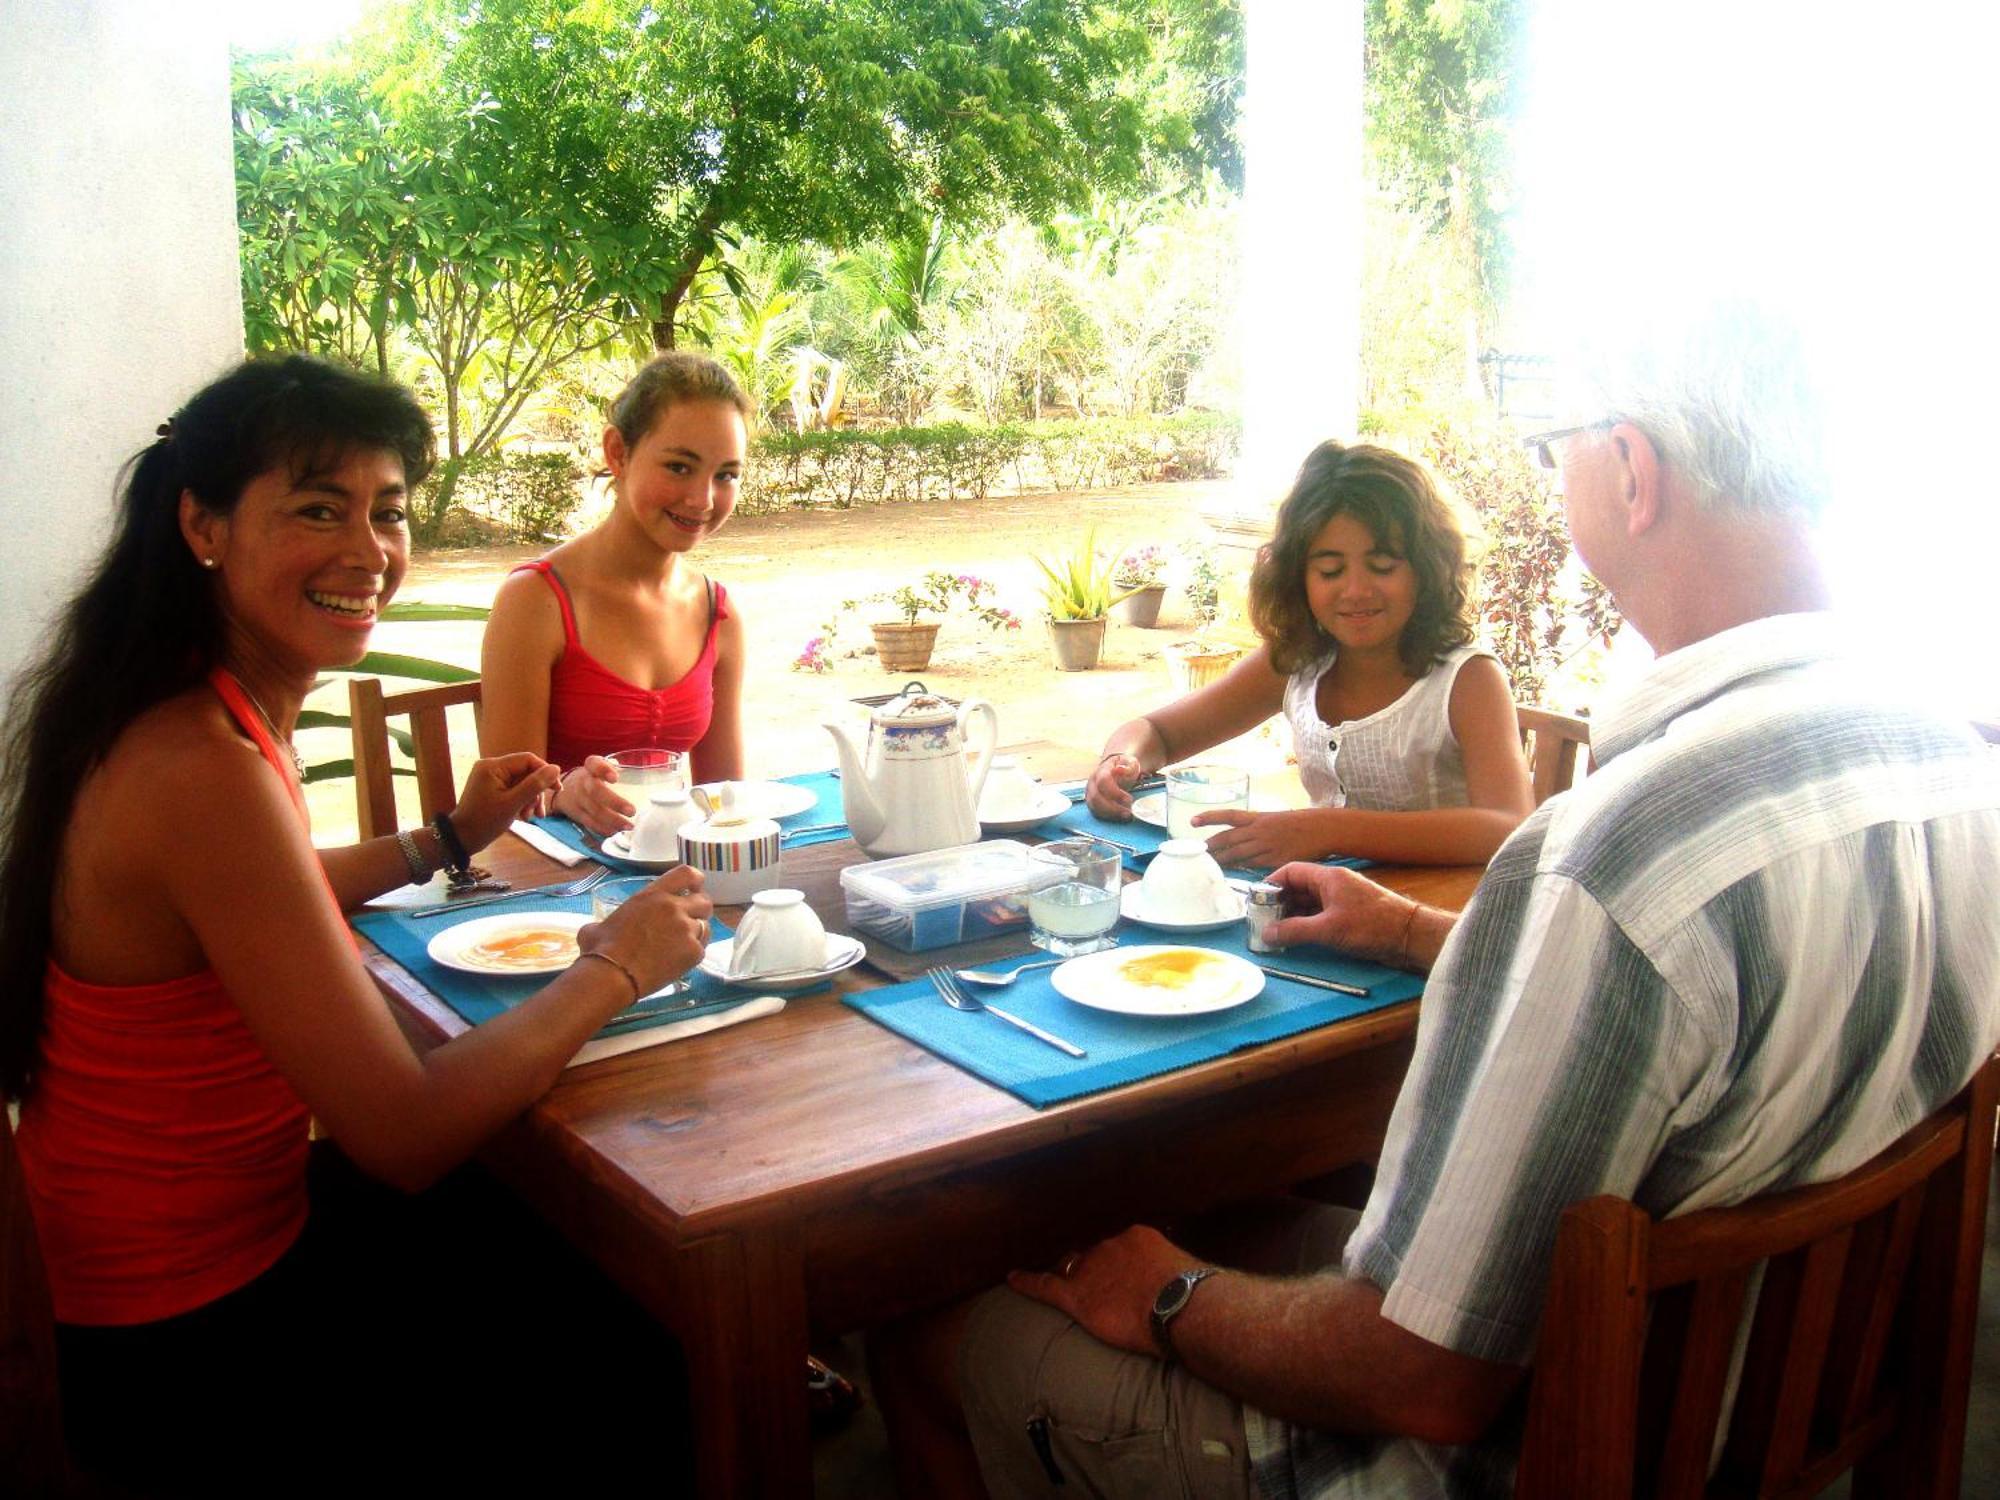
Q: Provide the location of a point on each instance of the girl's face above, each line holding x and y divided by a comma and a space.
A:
304, 565
1361, 593
678, 482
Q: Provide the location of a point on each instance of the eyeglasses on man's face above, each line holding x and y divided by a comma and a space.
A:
1538, 444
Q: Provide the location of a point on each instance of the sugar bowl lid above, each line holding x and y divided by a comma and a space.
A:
724, 822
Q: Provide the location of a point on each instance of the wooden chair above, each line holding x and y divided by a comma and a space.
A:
1551, 741
33, 1459
1860, 1351
370, 709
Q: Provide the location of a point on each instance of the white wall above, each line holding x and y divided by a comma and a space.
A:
118, 270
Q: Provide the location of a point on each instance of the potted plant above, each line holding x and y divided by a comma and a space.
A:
1142, 573
905, 640
1078, 593
1198, 662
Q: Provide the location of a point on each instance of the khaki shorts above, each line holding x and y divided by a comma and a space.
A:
1043, 1398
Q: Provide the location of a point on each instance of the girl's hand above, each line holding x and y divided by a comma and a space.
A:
659, 934
1256, 840
586, 799
496, 792
1106, 795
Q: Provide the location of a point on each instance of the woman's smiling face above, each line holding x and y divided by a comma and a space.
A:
679, 481
305, 562
1361, 593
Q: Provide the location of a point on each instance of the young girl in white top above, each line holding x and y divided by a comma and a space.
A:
1406, 736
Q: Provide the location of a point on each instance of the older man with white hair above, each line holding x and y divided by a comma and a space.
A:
1747, 953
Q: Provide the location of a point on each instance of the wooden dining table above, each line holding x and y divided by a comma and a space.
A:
811, 1172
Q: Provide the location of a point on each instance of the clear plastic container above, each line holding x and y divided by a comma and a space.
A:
945, 896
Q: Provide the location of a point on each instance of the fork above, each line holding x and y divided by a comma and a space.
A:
574, 887
949, 992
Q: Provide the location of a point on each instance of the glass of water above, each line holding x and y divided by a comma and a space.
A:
607, 896
1200, 789
1075, 913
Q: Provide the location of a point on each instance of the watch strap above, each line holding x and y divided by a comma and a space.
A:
1167, 1306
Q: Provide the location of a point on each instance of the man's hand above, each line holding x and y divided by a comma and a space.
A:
587, 800
1108, 793
1257, 840
1109, 1288
1337, 908
497, 791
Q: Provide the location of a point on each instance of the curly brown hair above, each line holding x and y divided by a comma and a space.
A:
1403, 508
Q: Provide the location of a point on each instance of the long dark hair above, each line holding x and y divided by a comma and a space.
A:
146, 626
1405, 512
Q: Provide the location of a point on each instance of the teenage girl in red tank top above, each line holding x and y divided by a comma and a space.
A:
613, 641
178, 989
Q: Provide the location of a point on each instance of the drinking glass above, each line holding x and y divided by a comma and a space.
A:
607, 896
1200, 789
643, 769
1076, 913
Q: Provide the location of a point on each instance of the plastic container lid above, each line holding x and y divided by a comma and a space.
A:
966, 872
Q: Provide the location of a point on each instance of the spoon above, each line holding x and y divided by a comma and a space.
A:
1001, 981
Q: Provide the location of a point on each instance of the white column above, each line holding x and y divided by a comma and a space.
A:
1300, 308
119, 288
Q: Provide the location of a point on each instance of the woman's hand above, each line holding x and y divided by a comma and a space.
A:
496, 792
587, 800
1254, 841
1107, 794
659, 934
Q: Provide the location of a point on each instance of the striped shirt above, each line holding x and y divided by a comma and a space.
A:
1751, 950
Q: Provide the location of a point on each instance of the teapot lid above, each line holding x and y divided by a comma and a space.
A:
916, 705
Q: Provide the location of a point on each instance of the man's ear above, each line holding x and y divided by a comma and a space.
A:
1640, 477
206, 533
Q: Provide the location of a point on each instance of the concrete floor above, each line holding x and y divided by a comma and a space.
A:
853, 1463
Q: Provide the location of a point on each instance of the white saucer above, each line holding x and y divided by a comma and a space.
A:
1049, 803
1132, 907
841, 953
619, 845
764, 799
454, 946
1098, 980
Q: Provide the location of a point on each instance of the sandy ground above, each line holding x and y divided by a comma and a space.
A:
787, 573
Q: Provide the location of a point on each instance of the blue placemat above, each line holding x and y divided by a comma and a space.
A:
1123, 1049
481, 997
1145, 839
824, 818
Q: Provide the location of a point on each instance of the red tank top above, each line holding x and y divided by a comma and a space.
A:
594, 711
165, 1158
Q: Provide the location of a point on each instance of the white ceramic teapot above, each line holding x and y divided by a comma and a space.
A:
912, 791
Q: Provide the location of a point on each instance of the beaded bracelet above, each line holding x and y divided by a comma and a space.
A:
455, 858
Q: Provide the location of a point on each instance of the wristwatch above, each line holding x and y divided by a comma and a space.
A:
1167, 1306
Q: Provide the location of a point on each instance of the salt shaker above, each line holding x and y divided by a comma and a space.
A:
1264, 906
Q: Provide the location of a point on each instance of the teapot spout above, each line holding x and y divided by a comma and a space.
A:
863, 813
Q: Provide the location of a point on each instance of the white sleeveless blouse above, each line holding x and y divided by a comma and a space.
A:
1403, 758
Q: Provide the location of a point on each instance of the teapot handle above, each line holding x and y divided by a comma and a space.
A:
982, 755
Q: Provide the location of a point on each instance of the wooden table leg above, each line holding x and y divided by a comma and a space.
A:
743, 1323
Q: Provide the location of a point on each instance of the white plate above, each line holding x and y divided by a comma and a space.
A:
619, 845
764, 799
841, 953
1132, 906
1221, 981
1049, 803
455, 946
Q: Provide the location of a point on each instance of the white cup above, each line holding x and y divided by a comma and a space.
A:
779, 933
1183, 883
1009, 793
654, 836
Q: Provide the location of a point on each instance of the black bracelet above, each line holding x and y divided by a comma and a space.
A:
455, 858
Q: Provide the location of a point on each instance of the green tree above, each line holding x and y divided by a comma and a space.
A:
788, 120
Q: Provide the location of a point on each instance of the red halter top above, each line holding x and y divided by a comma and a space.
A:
594, 711
165, 1158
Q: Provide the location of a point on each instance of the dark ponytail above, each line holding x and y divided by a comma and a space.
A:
146, 626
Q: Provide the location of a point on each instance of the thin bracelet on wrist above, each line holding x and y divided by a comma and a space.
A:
1409, 922
630, 978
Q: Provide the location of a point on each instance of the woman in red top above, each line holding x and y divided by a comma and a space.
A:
178, 990
612, 641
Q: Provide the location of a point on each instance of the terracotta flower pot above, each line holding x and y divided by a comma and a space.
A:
1195, 664
1078, 644
905, 648
1143, 608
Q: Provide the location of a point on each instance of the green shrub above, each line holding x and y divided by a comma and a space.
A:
530, 496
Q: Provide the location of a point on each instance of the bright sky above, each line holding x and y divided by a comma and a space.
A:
262, 25
1837, 153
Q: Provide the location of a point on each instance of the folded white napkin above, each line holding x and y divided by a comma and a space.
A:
543, 842
673, 1031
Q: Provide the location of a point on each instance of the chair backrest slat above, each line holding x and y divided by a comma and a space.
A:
370, 710
1884, 1244
1551, 741
1712, 1311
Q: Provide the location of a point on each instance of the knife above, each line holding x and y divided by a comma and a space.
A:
1315, 981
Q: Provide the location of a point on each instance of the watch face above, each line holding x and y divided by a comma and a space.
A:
1173, 1296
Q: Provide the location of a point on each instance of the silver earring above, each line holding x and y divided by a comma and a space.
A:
208, 562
